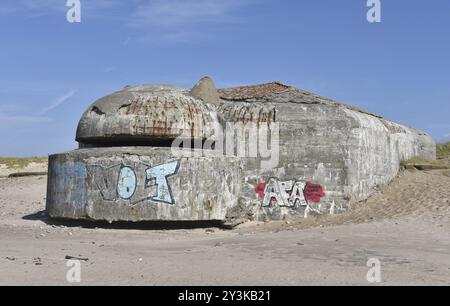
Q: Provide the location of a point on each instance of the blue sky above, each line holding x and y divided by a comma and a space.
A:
52, 70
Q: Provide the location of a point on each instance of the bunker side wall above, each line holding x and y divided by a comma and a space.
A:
348, 153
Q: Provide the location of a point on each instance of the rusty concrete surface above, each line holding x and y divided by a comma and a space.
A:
145, 113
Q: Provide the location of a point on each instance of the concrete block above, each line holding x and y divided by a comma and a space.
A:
141, 184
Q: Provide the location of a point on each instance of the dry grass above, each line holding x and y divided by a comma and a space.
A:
20, 163
425, 164
442, 162
420, 161
443, 151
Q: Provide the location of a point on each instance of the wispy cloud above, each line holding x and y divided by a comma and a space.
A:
169, 13
33, 8
58, 101
30, 8
439, 125
9, 107
109, 69
181, 21
11, 119
156, 12
146, 20
14, 114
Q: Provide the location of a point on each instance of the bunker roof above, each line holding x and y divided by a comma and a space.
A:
147, 112
280, 92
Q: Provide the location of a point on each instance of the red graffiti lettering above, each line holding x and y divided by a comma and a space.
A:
260, 189
313, 192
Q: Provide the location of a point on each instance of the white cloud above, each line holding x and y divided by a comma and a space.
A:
58, 101
168, 13
14, 114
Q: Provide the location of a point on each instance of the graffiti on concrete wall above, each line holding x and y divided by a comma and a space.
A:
157, 176
291, 193
136, 184
126, 183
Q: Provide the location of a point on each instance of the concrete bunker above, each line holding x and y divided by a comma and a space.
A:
318, 156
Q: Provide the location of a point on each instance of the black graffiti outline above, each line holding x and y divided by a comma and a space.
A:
98, 186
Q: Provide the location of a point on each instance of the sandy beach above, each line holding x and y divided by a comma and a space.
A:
406, 227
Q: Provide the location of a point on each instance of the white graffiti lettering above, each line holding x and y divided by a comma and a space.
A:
126, 185
158, 176
290, 193
132, 183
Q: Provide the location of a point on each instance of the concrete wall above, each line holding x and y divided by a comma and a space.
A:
141, 184
345, 153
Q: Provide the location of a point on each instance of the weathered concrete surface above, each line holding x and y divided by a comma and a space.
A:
330, 155
141, 184
348, 152
206, 90
143, 114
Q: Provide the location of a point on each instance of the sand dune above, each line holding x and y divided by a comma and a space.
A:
22, 165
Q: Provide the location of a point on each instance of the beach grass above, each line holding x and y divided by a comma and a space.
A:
20, 163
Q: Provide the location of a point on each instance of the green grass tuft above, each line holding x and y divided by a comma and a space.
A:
20, 163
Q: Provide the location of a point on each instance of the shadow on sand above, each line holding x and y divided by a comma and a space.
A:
143, 225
